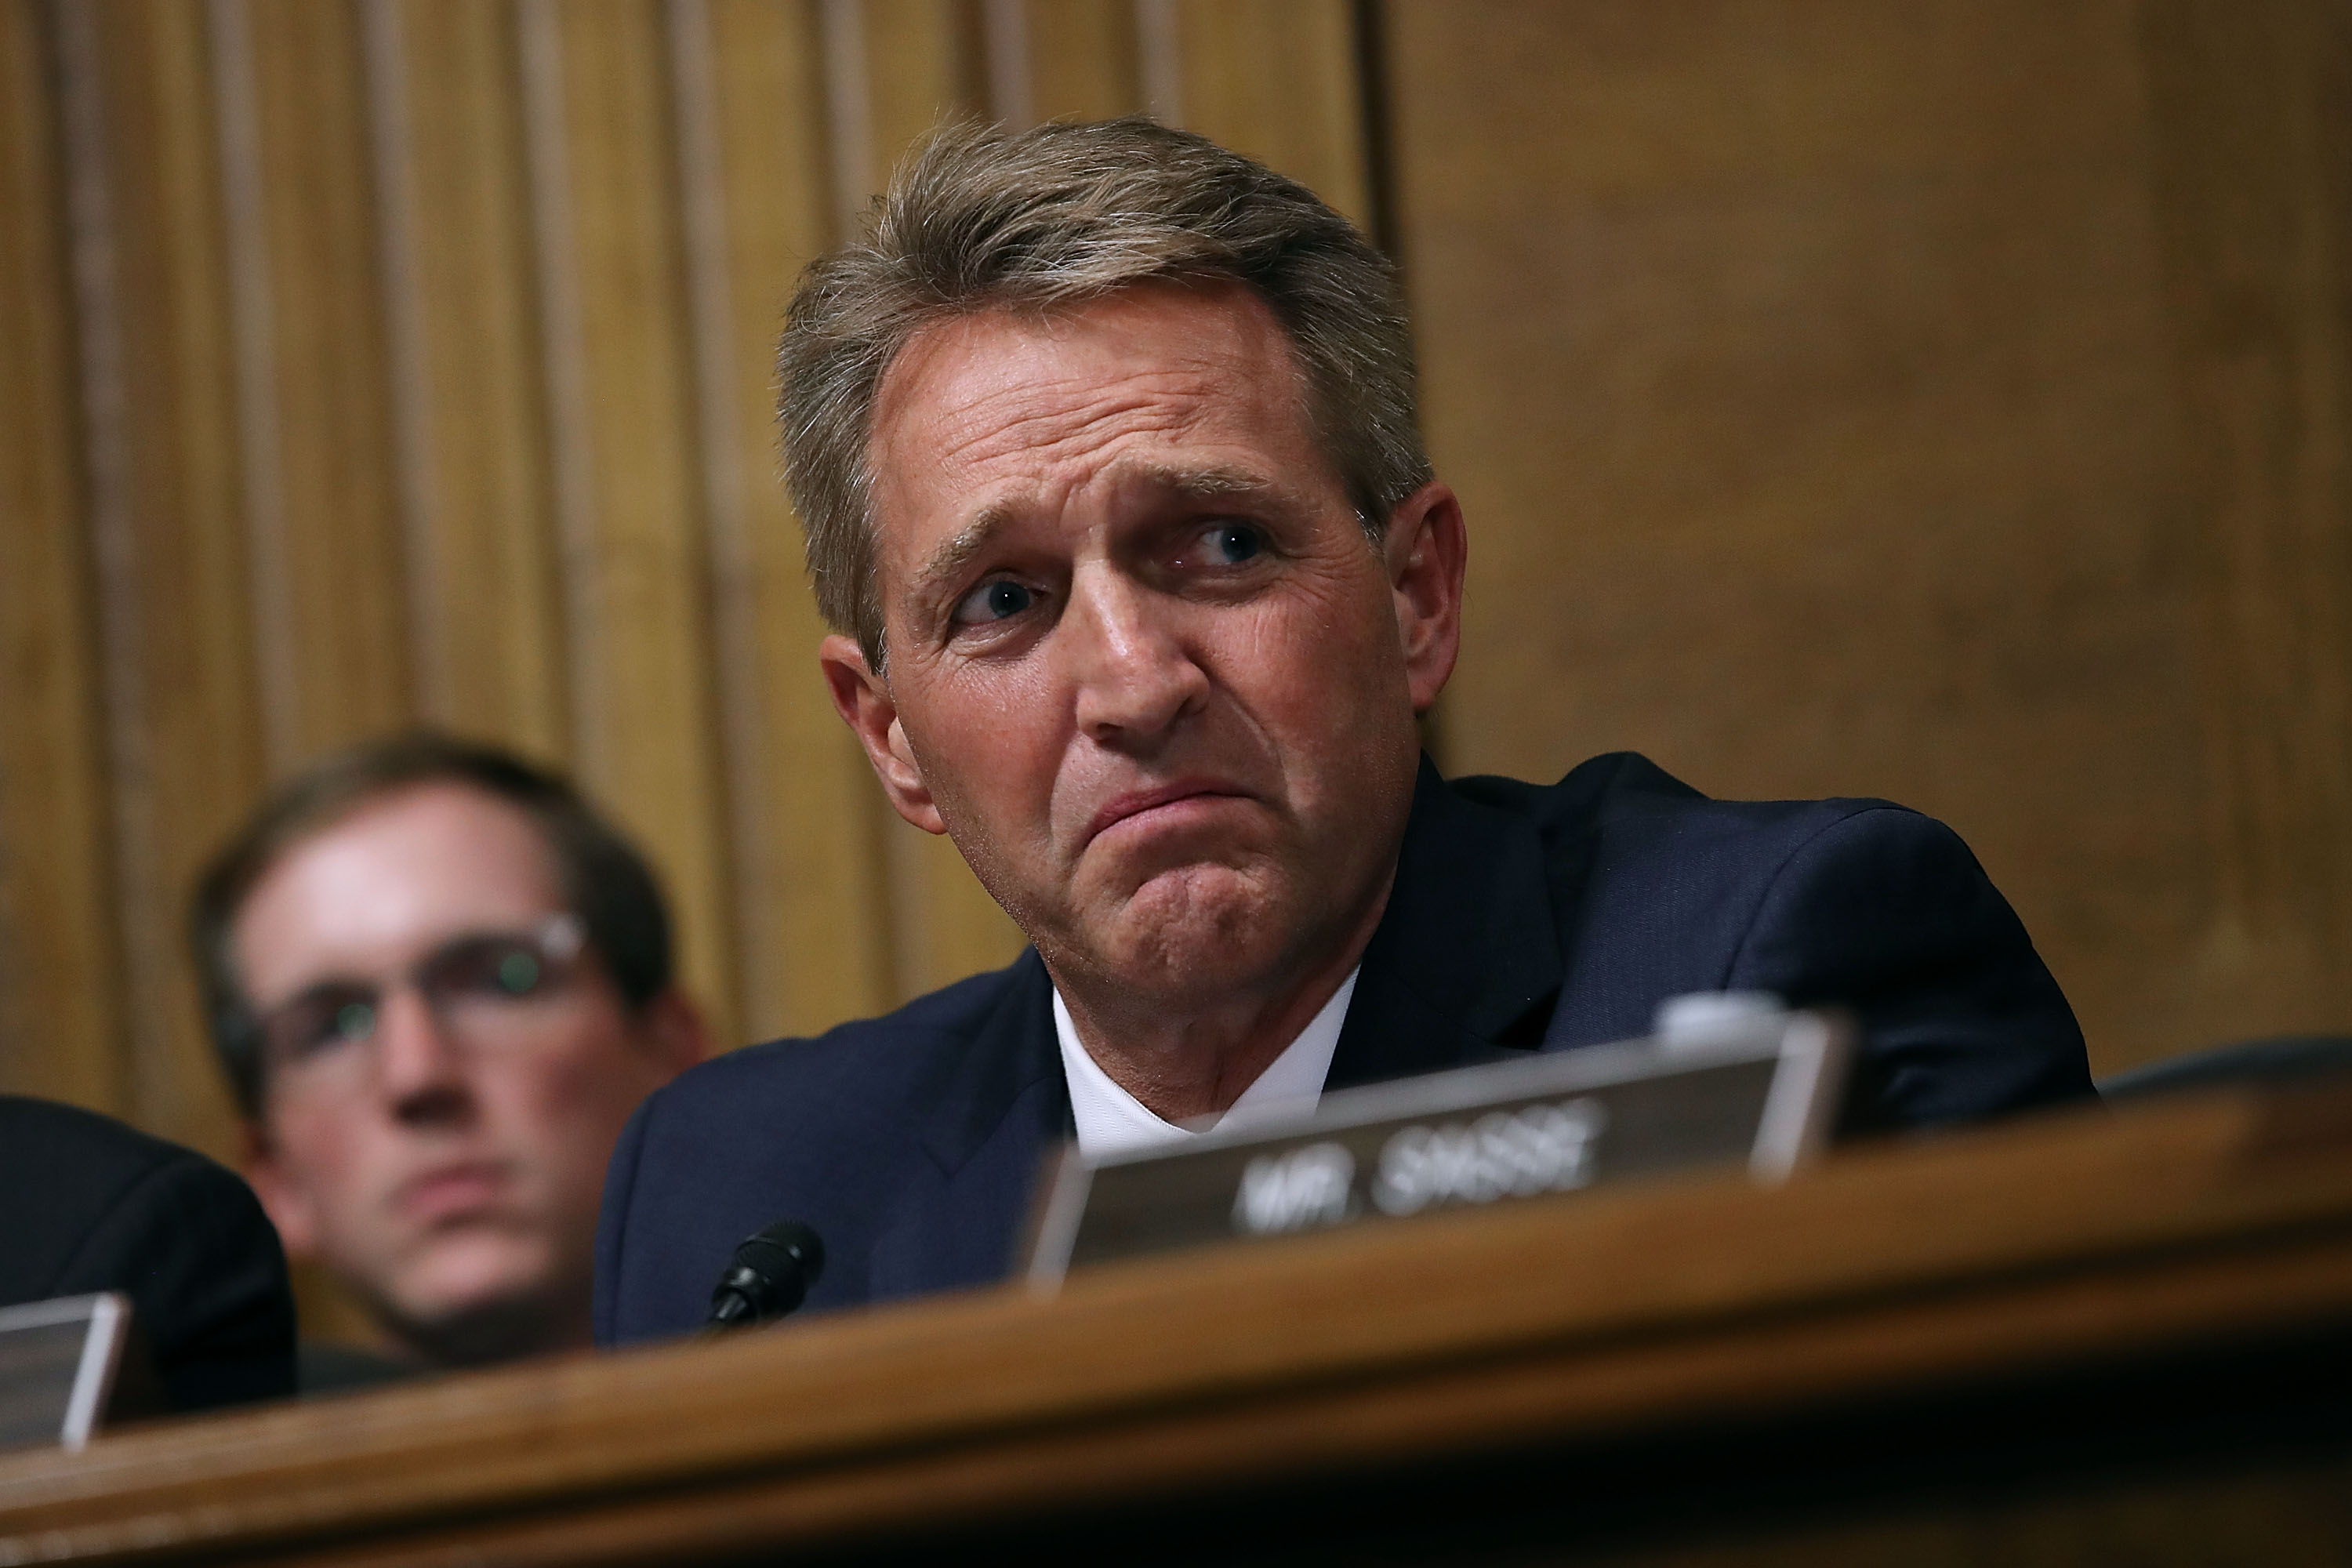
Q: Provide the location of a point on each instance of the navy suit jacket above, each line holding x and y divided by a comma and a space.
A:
1523, 918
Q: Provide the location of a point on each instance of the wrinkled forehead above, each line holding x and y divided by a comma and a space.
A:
1193, 389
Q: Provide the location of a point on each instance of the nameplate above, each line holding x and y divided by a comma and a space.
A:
59, 1367
1761, 1090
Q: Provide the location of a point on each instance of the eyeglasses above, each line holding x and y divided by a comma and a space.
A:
482, 988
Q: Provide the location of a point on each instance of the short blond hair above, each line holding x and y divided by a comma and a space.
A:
982, 218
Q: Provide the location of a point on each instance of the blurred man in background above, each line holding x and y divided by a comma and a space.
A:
440, 983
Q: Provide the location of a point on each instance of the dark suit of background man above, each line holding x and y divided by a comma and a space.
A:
1104, 441
89, 1204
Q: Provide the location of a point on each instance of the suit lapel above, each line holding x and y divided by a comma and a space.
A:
1464, 964
1003, 1106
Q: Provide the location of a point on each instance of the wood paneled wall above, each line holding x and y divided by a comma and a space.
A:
1948, 401
1944, 401
364, 362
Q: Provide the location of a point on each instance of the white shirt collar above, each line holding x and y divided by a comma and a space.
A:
1112, 1121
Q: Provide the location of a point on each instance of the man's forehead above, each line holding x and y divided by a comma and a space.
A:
1175, 390
431, 815
1033, 372
1202, 311
400, 871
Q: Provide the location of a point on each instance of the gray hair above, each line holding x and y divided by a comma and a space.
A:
982, 218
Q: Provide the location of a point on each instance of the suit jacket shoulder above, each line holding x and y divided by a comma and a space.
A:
1658, 890
87, 1205
906, 1140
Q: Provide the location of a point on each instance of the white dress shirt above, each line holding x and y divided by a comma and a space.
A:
1112, 1121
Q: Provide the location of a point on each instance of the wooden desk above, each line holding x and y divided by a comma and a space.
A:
2083, 1338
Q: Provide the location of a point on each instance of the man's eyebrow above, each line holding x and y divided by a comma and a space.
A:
949, 563
1207, 484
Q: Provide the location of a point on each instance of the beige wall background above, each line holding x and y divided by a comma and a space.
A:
1948, 400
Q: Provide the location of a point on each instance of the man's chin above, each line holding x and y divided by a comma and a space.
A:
1209, 929
477, 1299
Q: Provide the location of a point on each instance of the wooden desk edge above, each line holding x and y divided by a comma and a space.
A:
2190, 1220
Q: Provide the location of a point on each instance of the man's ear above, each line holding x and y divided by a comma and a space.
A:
1427, 550
863, 700
283, 1198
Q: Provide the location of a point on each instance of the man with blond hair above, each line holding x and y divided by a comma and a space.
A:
1104, 441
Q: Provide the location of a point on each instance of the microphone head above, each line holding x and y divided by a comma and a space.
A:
769, 1276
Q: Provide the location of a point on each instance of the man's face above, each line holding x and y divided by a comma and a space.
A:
450, 1163
1143, 663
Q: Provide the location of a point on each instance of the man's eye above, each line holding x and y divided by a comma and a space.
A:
518, 973
314, 1027
1227, 544
490, 969
1232, 545
999, 599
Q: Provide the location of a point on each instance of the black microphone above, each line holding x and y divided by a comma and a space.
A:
768, 1277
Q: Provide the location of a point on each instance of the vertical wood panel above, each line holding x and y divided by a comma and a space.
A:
251, 328
848, 105
1160, 59
59, 1025
1085, 59
2251, 111
1278, 80
813, 923
319, 469
635, 551
157, 371
1005, 64
924, 64
487, 618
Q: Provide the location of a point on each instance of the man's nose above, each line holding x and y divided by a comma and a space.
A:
419, 1068
1135, 675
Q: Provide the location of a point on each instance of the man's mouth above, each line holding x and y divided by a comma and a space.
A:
1169, 804
451, 1192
